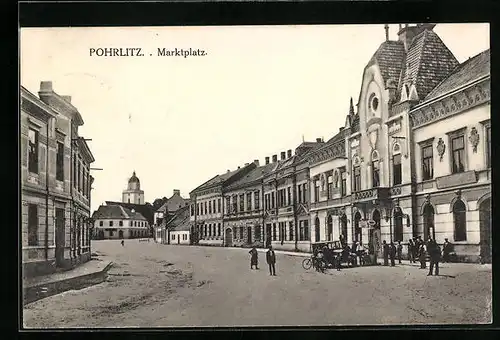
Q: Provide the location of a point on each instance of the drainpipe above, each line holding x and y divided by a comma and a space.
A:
296, 218
47, 193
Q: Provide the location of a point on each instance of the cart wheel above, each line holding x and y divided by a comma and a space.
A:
307, 264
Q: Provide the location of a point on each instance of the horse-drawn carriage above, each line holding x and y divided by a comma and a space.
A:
333, 254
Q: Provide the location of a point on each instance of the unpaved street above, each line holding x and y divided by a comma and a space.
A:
153, 285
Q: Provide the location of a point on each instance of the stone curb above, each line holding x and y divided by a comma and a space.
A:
44, 290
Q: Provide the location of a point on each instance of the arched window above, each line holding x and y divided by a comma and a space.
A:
329, 235
396, 165
356, 182
375, 170
398, 225
429, 222
316, 230
459, 221
357, 228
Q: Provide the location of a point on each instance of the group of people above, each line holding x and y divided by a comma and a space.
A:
270, 259
392, 251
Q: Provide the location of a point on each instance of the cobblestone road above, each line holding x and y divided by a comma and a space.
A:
153, 285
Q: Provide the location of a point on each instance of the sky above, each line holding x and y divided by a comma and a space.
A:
178, 122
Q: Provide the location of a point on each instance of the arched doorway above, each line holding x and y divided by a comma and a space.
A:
316, 230
428, 215
120, 234
228, 240
485, 230
343, 228
329, 233
398, 225
459, 221
357, 228
373, 233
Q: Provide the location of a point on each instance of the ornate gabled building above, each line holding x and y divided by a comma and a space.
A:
243, 217
420, 137
56, 183
206, 208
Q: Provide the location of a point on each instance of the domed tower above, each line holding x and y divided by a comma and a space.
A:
133, 193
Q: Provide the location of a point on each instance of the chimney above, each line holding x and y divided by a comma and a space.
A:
46, 86
246, 164
283, 155
256, 162
289, 153
67, 98
177, 192
319, 140
238, 167
267, 160
275, 158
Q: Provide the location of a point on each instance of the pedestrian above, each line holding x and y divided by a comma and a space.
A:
271, 261
434, 254
254, 258
447, 249
123, 243
411, 251
385, 248
392, 253
421, 256
416, 248
399, 251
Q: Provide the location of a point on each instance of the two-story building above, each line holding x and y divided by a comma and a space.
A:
206, 208
452, 160
286, 199
243, 217
118, 222
56, 183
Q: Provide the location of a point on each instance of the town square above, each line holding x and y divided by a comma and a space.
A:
269, 192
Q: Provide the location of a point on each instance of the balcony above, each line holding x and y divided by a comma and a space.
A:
371, 194
285, 210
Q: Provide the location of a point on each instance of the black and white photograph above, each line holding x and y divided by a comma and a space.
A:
255, 176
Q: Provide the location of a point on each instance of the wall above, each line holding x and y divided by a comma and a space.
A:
176, 237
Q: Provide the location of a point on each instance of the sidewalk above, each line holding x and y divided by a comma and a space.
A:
87, 274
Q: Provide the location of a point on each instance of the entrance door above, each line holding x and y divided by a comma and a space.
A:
101, 235
60, 236
372, 245
229, 238
178, 239
316, 230
485, 230
120, 234
249, 235
268, 235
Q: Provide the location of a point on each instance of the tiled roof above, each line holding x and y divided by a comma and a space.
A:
468, 71
389, 57
253, 175
146, 210
116, 212
427, 63
180, 221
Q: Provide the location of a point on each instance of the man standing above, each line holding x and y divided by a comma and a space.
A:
271, 261
385, 250
411, 251
434, 254
447, 248
399, 251
254, 259
421, 255
392, 253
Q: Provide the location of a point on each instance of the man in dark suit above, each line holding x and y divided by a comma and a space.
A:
434, 254
385, 251
271, 261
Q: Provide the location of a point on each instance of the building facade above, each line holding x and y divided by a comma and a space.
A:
56, 183
117, 222
206, 209
133, 194
243, 217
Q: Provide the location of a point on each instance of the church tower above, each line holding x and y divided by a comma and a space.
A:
133, 193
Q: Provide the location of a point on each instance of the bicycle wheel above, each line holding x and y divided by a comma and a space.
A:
307, 264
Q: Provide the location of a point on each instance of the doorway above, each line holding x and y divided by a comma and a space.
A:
120, 234
357, 228
249, 235
485, 230
316, 230
268, 235
60, 237
372, 240
228, 237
